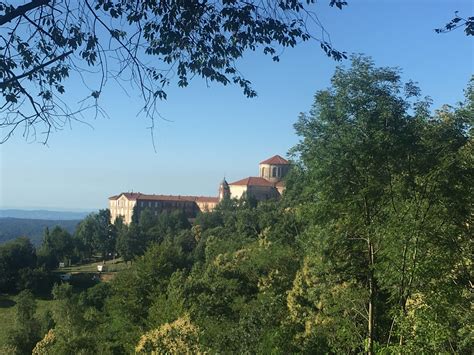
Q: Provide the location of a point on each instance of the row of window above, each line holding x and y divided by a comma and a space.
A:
150, 203
161, 206
123, 203
120, 211
165, 204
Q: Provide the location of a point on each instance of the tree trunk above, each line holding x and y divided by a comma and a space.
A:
372, 291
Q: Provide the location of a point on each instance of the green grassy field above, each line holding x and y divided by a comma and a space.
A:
8, 311
112, 266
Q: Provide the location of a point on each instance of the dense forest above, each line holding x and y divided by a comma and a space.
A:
369, 250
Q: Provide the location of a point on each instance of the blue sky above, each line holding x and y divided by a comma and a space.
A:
215, 131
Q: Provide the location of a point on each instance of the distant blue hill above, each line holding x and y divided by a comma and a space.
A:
12, 228
42, 214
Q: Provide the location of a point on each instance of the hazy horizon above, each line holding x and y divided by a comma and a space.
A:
48, 209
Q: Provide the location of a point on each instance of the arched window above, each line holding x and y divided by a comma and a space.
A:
263, 172
274, 172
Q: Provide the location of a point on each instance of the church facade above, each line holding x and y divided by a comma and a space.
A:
268, 185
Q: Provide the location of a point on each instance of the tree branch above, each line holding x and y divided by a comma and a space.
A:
21, 10
39, 67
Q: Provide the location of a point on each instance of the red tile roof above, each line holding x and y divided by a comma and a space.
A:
277, 160
255, 181
128, 195
207, 199
166, 198
145, 197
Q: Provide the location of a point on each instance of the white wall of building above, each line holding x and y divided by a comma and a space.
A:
122, 207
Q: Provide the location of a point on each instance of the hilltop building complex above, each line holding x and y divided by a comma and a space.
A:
268, 185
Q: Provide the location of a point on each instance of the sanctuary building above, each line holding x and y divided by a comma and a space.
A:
268, 185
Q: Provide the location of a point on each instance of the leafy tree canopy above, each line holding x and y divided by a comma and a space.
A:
458, 22
148, 43
27, 330
384, 185
16, 255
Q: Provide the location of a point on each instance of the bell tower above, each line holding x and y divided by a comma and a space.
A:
224, 190
274, 169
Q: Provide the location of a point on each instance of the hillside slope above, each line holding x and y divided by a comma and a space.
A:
11, 228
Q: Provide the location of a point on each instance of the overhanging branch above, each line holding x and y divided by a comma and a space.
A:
35, 69
21, 10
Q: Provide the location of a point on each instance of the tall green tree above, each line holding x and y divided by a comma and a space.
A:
147, 220
85, 234
16, 255
27, 329
105, 236
377, 174
131, 242
57, 246
74, 329
97, 234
